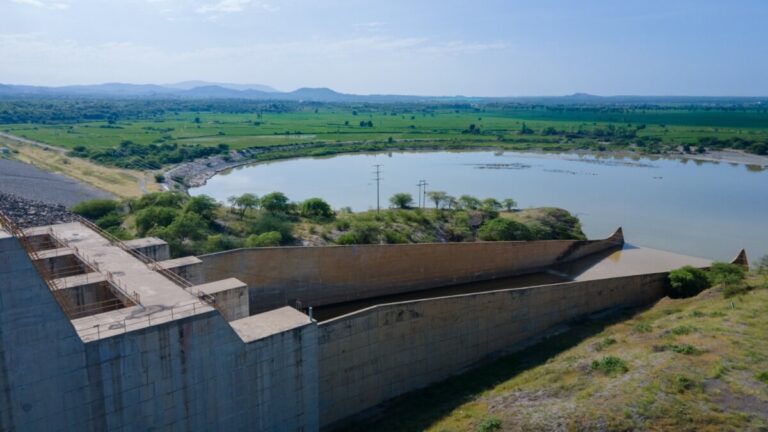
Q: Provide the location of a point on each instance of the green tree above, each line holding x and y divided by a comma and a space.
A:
95, 209
275, 202
468, 202
153, 217
245, 202
490, 204
188, 226
509, 204
437, 197
202, 205
315, 208
503, 230
401, 200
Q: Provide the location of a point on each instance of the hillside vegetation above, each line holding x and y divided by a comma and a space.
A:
693, 364
199, 225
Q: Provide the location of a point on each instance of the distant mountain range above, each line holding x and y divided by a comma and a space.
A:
211, 90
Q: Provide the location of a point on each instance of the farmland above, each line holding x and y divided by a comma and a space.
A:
649, 129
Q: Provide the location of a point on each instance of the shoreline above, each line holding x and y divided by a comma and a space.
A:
209, 167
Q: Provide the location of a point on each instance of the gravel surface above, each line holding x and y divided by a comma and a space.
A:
24, 180
30, 213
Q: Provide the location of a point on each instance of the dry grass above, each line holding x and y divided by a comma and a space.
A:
120, 182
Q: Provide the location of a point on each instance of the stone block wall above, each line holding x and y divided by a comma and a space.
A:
384, 351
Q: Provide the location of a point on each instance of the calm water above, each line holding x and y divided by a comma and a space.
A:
706, 209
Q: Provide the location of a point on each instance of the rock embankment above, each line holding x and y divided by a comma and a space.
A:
30, 213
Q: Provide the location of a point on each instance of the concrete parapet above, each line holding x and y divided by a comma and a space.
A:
153, 247
188, 268
316, 276
378, 353
230, 296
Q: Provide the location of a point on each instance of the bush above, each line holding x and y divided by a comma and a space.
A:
762, 266
682, 383
604, 343
271, 238
682, 330
643, 327
763, 376
725, 273
152, 217
219, 242
687, 282
95, 209
610, 365
504, 229
489, 425
265, 222
315, 208
108, 221
161, 199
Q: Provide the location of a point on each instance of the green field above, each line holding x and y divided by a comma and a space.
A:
650, 130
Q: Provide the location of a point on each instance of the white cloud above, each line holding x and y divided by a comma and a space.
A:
43, 4
230, 6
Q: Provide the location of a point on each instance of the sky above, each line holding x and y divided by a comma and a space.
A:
420, 47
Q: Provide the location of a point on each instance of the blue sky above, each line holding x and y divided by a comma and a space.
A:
447, 47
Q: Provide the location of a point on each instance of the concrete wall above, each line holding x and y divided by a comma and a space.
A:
378, 353
325, 275
189, 375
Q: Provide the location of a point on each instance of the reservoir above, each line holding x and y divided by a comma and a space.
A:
704, 209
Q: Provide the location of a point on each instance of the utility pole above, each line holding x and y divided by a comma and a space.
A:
419, 196
422, 193
378, 181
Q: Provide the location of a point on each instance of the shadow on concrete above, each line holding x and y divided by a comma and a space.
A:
418, 410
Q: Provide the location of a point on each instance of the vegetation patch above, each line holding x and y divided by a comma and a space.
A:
610, 365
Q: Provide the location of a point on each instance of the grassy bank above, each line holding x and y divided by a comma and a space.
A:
123, 183
696, 364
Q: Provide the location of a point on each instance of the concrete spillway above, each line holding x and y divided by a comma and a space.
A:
97, 334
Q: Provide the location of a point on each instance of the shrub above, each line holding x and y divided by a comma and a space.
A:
161, 199
682, 383
315, 208
643, 327
219, 242
95, 209
361, 233
604, 343
685, 349
763, 376
271, 238
724, 273
108, 221
265, 222
687, 282
762, 266
394, 237
682, 330
489, 425
610, 365
152, 217
504, 229
730, 290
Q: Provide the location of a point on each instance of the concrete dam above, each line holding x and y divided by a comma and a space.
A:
98, 334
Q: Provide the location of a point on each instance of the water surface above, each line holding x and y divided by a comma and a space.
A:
703, 209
